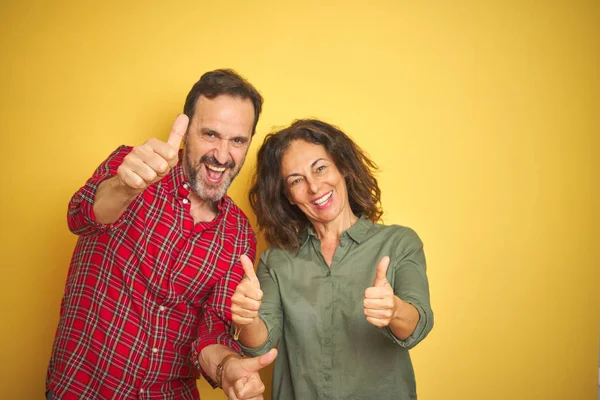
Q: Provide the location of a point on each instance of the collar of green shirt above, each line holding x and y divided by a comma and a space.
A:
357, 232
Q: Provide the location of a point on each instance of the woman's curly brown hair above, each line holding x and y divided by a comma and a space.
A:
282, 222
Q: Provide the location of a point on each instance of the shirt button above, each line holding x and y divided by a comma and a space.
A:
327, 306
185, 201
185, 186
327, 342
141, 391
161, 308
155, 350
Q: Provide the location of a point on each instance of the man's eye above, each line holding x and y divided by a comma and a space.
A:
239, 142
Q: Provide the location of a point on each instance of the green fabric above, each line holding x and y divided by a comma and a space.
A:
327, 349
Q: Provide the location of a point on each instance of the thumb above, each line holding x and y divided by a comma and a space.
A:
255, 364
249, 268
380, 278
178, 130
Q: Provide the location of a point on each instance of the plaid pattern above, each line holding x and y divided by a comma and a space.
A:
146, 294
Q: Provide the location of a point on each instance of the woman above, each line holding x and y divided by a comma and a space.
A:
343, 297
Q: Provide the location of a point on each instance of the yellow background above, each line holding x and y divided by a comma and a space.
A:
483, 117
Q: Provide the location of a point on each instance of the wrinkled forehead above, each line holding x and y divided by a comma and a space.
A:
227, 115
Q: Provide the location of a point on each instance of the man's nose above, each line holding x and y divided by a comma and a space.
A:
222, 151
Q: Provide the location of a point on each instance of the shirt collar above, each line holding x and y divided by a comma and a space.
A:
357, 232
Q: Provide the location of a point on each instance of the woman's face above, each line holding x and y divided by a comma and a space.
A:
313, 182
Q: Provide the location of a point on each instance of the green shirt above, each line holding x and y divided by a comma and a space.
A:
327, 348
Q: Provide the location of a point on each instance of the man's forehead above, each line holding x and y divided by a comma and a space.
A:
224, 114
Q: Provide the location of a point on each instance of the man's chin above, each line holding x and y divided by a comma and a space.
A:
209, 193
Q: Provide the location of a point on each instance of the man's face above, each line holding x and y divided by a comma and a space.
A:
216, 144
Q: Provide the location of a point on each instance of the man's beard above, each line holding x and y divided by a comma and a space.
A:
206, 190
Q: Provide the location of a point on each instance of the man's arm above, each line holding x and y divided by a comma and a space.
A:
211, 356
111, 200
143, 166
98, 206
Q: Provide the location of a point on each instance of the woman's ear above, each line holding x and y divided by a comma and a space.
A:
288, 198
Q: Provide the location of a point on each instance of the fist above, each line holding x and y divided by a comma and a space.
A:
246, 300
150, 162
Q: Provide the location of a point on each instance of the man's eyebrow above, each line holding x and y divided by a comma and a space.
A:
208, 131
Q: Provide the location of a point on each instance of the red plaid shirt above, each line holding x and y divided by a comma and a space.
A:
144, 295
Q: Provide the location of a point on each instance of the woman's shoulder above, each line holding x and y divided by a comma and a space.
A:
405, 236
274, 257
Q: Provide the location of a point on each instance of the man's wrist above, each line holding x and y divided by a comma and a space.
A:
221, 367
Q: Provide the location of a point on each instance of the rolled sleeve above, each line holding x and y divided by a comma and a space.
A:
213, 330
215, 323
422, 329
271, 341
80, 215
411, 285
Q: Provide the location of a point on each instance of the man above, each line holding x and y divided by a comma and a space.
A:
147, 299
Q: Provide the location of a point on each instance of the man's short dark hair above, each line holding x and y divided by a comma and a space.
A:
220, 82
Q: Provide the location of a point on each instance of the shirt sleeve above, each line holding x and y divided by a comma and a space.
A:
411, 285
80, 215
215, 323
271, 311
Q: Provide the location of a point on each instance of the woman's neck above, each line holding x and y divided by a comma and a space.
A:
332, 231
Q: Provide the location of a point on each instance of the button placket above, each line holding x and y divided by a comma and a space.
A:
326, 348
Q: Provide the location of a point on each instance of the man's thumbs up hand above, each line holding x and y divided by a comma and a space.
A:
148, 163
241, 379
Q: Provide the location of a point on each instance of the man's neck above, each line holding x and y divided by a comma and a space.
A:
202, 210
